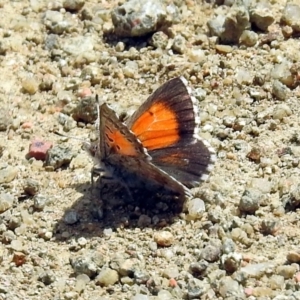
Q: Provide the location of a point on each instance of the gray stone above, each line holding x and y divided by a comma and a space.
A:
261, 15
228, 246
14, 222
78, 45
84, 265
270, 226
250, 200
47, 277
196, 288
229, 287
211, 252
141, 277
229, 28
59, 156
279, 90
71, 217
137, 18
39, 202
257, 270
179, 44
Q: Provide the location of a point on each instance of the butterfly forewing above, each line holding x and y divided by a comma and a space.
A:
116, 138
123, 156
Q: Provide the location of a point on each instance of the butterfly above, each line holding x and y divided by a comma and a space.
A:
157, 152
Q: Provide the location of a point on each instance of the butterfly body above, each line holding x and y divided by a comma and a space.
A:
157, 152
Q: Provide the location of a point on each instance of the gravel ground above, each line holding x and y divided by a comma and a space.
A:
238, 239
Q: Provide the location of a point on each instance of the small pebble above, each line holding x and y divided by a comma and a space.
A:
144, 221
73, 5
293, 256
262, 292
19, 258
159, 40
279, 90
31, 187
171, 272
281, 111
286, 271
71, 217
82, 241
30, 86
47, 277
229, 287
131, 69
39, 202
128, 267
107, 277
7, 174
276, 282
231, 262
291, 16
223, 49
270, 226
257, 270
254, 155
164, 238
196, 208
81, 281
250, 200
84, 265
179, 44
6, 201
141, 277
211, 253
248, 38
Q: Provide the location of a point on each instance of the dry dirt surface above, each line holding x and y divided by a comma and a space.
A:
239, 237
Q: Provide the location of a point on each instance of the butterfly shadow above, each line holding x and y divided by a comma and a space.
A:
108, 206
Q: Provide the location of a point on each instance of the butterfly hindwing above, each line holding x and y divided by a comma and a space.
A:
166, 124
